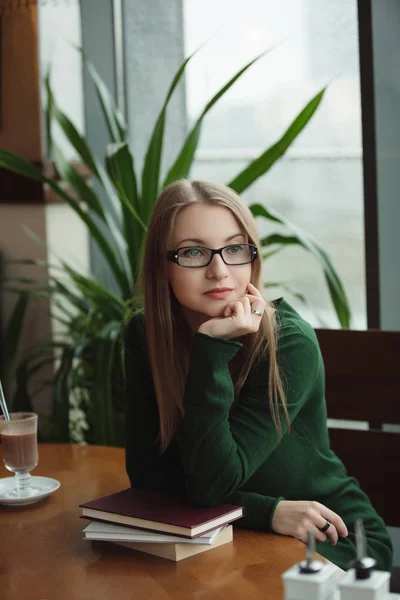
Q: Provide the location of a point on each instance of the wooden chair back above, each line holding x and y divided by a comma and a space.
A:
363, 384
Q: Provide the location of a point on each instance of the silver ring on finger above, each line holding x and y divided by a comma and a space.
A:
325, 527
257, 312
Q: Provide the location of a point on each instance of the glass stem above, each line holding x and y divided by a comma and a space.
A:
23, 481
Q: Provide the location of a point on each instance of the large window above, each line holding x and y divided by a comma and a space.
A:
318, 184
59, 34
60, 31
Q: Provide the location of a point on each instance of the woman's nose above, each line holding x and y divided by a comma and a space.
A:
217, 268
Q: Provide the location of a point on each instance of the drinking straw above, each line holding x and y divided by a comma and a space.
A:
3, 404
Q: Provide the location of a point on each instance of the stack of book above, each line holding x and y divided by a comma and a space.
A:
161, 524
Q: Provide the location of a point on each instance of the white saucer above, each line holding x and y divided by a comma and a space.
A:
43, 486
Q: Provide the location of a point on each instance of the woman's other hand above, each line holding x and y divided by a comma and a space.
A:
239, 316
297, 518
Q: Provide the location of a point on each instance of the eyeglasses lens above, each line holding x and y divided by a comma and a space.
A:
197, 256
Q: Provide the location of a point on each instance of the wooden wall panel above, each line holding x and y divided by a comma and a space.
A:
20, 123
21, 200
20, 130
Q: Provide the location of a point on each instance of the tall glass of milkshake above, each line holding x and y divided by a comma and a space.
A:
20, 450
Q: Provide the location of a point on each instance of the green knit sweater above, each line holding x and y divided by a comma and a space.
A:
232, 454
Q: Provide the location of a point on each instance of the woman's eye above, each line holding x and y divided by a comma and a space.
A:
192, 252
235, 249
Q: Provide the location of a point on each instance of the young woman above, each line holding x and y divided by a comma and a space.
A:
225, 390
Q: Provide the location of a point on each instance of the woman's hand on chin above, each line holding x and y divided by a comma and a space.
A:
241, 317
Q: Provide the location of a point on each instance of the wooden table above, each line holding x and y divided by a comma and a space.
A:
43, 555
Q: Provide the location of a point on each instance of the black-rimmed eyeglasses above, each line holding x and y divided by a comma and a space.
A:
194, 257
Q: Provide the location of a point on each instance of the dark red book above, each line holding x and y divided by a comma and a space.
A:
157, 511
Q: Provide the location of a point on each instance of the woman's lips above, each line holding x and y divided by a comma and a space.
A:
218, 295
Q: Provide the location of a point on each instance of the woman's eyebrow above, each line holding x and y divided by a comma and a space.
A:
198, 241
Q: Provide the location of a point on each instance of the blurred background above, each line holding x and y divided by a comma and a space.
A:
317, 184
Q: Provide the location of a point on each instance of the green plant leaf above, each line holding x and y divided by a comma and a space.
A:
67, 292
22, 400
67, 323
112, 115
95, 293
111, 219
64, 287
61, 397
152, 161
272, 252
33, 362
21, 280
101, 411
23, 167
69, 129
288, 288
305, 240
12, 337
84, 192
112, 215
277, 238
264, 162
52, 289
120, 167
32, 261
284, 286
181, 167
78, 142
47, 115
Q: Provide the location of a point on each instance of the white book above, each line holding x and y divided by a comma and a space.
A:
97, 530
177, 552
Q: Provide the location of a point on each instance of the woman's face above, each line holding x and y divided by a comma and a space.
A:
214, 227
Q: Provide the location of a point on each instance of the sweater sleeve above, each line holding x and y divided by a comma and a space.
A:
146, 467
258, 509
222, 446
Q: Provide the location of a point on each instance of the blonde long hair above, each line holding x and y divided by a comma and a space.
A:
168, 335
